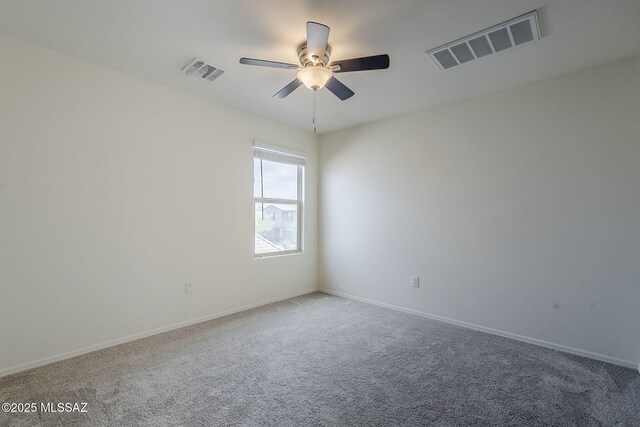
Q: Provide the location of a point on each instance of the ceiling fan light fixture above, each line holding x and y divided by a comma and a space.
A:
314, 77
315, 70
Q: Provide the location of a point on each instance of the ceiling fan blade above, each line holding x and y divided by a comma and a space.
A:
317, 39
376, 62
288, 89
264, 63
339, 89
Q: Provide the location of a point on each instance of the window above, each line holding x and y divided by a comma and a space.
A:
278, 178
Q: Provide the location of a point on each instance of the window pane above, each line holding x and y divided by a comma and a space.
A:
280, 180
276, 227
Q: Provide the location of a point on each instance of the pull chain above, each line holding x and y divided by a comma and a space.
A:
314, 111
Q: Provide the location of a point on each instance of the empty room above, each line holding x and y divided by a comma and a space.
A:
320, 213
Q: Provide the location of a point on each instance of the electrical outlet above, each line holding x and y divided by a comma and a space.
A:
415, 281
188, 288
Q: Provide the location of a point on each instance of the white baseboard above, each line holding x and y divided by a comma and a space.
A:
95, 347
559, 347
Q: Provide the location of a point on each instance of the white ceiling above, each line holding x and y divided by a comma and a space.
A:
154, 39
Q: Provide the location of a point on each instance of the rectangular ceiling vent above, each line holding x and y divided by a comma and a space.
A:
203, 70
506, 35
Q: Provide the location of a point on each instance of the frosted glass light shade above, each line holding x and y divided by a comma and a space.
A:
314, 77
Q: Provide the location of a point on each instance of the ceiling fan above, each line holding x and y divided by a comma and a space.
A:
314, 70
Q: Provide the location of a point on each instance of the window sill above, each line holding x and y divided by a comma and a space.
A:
276, 254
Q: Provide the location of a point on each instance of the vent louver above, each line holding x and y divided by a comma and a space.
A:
506, 35
199, 68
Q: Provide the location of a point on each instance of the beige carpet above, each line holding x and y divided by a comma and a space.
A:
324, 360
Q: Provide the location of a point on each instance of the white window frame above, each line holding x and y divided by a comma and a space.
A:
288, 156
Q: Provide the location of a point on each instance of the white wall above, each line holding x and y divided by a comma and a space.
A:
519, 210
114, 192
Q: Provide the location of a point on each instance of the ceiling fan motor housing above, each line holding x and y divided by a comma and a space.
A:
306, 60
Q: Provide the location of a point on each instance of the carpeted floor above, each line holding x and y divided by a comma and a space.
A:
324, 360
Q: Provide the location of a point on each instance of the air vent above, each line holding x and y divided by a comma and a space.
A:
506, 35
203, 70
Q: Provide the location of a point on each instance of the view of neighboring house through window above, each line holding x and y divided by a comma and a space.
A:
277, 195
